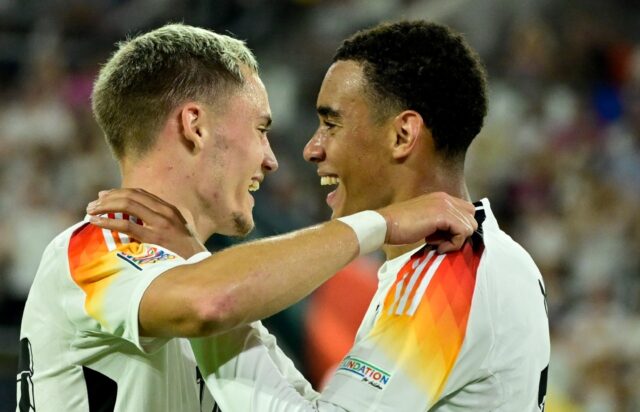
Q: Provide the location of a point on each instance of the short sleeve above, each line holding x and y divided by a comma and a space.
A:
113, 273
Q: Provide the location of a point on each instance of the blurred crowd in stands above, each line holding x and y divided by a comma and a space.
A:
559, 157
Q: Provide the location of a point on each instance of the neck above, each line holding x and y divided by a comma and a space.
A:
412, 184
157, 175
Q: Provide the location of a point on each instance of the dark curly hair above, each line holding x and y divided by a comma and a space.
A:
428, 68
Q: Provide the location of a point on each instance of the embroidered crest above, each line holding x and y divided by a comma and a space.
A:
152, 255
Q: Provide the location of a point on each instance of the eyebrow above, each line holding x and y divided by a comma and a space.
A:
326, 111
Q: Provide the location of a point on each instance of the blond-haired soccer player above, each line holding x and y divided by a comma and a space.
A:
465, 331
186, 116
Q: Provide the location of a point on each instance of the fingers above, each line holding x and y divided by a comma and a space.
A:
163, 224
136, 202
131, 229
116, 204
467, 224
457, 231
463, 224
456, 226
464, 211
454, 243
449, 218
139, 195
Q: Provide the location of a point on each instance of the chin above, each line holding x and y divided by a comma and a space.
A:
243, 224
341, 210
346, 210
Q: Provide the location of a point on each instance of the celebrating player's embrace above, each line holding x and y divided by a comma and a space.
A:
458, 321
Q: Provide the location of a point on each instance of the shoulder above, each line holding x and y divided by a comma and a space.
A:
515, 295
94, 253
432, 283
509, 280
54, 256
507, 261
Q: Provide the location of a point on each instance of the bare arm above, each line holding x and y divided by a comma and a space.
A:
257, 279
245, 283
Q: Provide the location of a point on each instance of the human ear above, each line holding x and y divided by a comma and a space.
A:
407, 127
191, 119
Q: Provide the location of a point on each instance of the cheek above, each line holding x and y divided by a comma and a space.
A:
252, 156
211, 171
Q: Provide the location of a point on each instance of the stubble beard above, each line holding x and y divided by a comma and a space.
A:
241, 224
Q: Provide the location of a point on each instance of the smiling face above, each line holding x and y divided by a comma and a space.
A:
350, 148
238, 156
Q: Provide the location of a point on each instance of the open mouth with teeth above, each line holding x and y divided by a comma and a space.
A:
254, 186
330, 181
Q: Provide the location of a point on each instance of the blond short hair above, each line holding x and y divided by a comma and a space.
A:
151, 74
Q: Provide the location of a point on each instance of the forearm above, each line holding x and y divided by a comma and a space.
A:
246, 371
256, 280
245, 283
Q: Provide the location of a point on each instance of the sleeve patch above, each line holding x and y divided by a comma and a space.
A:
97, 261
150, 256
367, 372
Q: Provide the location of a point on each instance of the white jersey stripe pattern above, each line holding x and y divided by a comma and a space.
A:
418, 267
124, 239
423, 285
109, 240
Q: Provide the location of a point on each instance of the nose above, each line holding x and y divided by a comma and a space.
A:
313, 150
269, 162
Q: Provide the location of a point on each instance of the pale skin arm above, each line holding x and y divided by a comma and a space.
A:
255, 280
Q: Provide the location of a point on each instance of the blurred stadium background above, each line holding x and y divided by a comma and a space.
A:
559, 156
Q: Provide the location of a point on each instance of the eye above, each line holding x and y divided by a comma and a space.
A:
263, 131
328, 125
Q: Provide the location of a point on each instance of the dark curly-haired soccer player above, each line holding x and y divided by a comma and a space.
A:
464, 331
468, 330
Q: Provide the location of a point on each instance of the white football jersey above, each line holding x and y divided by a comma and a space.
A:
463, 331
80, 346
